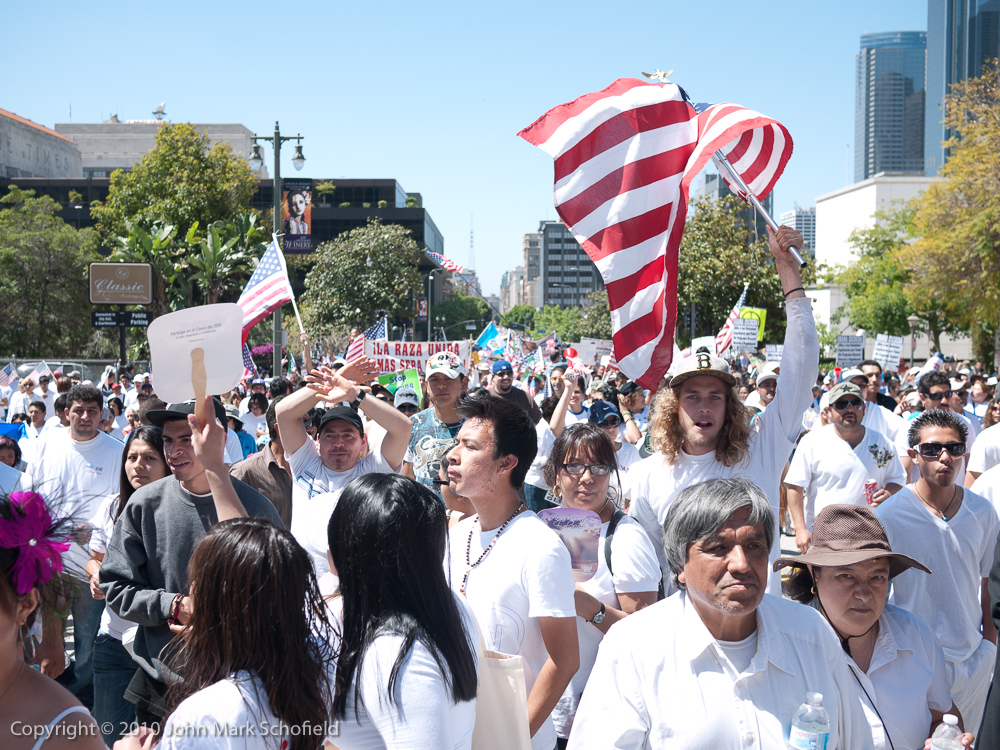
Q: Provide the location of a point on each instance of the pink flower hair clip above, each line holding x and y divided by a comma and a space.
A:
30, 532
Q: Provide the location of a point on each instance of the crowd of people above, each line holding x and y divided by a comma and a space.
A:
327, 560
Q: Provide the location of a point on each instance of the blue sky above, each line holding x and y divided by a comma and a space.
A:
432, 94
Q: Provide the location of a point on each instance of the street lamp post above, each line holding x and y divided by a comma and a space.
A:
913, 320
256, 160
430, 295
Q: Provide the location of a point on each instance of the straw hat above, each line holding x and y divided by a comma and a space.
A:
849, 534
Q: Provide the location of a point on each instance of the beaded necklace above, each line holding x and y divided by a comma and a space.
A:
468, 547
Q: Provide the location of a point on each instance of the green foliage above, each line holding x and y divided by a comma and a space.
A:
182, 181
955, 263
717, 255
565, 321
75, 196
521, 317
326, 189
459, 308
596, 323
44, 296
343, 291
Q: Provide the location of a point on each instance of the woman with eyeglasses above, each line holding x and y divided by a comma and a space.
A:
581, 467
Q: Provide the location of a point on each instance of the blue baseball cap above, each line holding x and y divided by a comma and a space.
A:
601, 410
502, 365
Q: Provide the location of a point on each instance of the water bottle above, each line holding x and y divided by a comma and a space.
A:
947, 736
810, 725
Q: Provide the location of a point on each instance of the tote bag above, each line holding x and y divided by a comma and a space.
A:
501, 702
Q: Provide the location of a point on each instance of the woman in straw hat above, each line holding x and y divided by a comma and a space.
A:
893, 654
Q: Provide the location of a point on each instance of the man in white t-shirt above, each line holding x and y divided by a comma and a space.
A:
954, 531
44, 394
322, 468
701, 431
832, 464
720, 664
510, 566
75, 469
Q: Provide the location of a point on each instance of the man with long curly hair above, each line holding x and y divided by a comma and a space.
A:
700, 430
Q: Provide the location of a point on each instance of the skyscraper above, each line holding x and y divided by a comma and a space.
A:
804, 220
889, 103
961, 36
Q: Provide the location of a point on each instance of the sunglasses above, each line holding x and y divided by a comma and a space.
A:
938, 396
385, 399
612, 421
933, 450
597, 470
853, 403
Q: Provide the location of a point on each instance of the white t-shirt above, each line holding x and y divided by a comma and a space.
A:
18, 404
234, 451
315, 492
959, 551
654, 483
426, 715
546, 439
831, 472
104, 525
985, 454
48, 398
240, 705
988, 485
251, 424
627, 456
526, 575
582, 416
635, 571
75, 476
5, 394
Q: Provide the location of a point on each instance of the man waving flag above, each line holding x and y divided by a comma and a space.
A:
624, 161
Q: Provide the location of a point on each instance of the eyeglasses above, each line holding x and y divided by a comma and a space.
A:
597, 470
933, 450
853, 403
938, 396
612, 421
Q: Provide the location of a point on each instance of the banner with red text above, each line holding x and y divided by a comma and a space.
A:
396, 356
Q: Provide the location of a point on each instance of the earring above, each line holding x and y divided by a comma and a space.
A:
813, 591
28, 645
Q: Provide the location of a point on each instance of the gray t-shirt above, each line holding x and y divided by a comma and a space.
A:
146, 564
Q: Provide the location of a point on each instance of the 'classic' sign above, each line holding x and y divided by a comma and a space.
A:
121, 283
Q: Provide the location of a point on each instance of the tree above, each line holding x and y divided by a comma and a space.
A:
521, 317
44, 296
717, 255
461, 307
565, 322
367, 269
183, 180
596, 322
956, 261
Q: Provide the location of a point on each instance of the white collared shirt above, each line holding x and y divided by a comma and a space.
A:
662, 681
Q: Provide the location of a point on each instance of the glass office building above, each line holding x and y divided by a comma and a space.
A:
889, 103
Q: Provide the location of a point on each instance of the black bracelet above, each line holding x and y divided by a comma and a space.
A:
796, 289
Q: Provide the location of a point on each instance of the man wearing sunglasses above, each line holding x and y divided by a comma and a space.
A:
605, 415
955, 532
936, 393
832, 463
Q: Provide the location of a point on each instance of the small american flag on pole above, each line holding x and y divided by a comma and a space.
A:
725, 336
7, 375
624, 161
267, 290
447, 263
375, 332
249, 368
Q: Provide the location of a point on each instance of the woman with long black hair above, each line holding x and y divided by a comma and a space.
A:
407, 640
258, 652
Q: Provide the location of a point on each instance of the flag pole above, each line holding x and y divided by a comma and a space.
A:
298, 318
738, 181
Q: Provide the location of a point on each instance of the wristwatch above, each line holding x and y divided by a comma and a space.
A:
599, 617
361, 397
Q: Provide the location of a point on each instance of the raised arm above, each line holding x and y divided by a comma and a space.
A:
558, 422
800, 356
209, 444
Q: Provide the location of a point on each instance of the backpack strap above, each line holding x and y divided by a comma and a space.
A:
618, 516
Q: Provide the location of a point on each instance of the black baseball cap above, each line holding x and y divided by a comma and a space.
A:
342, 412
181, 411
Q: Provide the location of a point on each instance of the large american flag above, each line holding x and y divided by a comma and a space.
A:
375, 332
447, 263
267, 290
624, 161
725, 335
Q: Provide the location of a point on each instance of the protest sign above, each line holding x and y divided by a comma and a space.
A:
888, 350
745, 336
706, 341
850, 350
755, 313
398, 379
397, 356
773, 352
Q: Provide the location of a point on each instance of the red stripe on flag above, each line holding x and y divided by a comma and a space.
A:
542, 129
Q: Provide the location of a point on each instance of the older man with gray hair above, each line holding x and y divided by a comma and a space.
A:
720, 664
